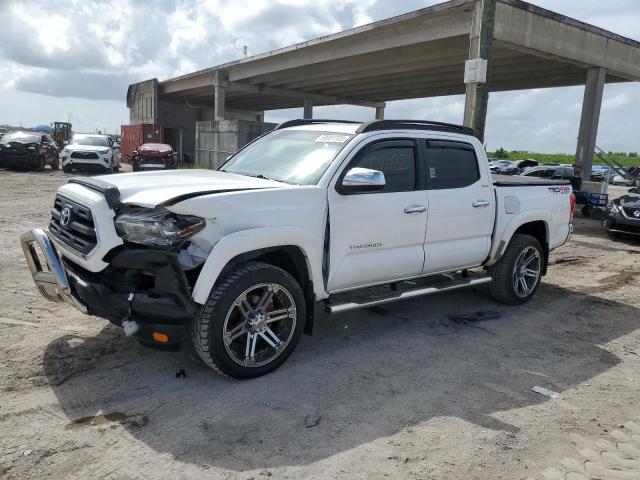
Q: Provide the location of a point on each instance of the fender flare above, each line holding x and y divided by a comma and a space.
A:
253, 239
500, 244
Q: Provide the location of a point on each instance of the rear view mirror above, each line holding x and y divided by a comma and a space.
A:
362, 180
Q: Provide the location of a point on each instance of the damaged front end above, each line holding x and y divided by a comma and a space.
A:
146, 286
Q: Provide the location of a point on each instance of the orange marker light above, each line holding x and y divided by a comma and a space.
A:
160, 337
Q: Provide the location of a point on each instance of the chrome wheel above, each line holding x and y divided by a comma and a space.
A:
526, 272
259, 324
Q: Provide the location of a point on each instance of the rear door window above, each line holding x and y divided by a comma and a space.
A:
451, 164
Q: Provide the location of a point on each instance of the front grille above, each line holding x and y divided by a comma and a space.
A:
78, 232
630, 211
16, 155
85, 155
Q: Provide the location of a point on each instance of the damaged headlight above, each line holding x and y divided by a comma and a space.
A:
157, 227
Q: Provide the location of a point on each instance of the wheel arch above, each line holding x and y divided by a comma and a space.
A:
288, 254
539, 230
535, 226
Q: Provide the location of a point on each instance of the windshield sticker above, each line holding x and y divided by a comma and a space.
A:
332, 138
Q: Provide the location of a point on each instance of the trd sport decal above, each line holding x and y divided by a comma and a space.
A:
563, 190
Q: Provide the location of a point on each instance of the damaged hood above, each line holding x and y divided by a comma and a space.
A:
150, 189
631, 200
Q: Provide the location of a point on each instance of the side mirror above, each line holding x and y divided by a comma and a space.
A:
359, 180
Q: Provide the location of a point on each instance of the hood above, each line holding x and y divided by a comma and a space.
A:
85, 148
19, 145
149, 149
150, 189
630, 200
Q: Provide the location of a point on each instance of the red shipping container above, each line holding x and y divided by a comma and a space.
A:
132, 136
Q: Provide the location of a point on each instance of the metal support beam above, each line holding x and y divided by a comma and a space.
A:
379, 113
591, 103
480, 46
308, 109
220, 82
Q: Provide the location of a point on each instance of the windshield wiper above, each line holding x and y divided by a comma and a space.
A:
259, 175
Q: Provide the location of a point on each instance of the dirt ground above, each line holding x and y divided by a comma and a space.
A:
436, 388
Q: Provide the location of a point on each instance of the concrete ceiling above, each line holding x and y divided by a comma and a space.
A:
419, 54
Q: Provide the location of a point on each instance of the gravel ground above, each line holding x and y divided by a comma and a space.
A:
435, 388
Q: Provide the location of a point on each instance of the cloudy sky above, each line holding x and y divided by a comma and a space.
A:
73, 60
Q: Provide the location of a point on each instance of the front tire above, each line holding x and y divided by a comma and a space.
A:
42, 162
251, 322
516, 276
67, 168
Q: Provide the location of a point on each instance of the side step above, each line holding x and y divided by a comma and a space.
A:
395, 296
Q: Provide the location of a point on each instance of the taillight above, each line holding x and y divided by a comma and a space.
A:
572, 207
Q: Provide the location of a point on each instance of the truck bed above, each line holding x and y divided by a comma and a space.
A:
518, 181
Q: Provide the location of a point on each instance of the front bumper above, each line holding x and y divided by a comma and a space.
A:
101, 163
143, 285
619, 223
20, 160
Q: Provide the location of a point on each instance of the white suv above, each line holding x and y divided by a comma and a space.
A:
90, 151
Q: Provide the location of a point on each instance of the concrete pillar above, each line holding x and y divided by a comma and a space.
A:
308, 109
593, 89
220, 83
379, 113
480, 46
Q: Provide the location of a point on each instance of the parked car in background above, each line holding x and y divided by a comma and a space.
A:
495, 165
599, 173
90, 152
622, 215
503, 167
631, 177
514, 167
624, 181
556, 172
28, 151
153, 156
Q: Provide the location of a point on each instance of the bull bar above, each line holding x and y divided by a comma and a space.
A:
52, 283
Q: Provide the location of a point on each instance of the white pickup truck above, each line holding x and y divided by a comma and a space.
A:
346, 214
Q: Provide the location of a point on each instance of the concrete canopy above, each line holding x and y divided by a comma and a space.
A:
415, 55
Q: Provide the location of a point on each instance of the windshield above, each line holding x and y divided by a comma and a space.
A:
92, 140
23, 137
291, 156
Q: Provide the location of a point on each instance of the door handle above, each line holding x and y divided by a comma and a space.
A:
415, 209
481, 203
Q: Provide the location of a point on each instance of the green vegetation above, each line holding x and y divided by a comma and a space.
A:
625, 159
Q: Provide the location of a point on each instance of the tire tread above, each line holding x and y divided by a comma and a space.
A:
500, 288
201, 324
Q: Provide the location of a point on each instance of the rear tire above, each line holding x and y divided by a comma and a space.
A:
516, 276
251, 322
